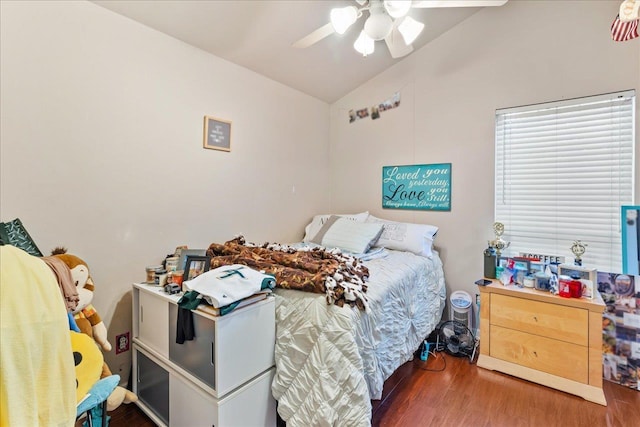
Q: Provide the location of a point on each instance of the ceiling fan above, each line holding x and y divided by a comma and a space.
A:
387, 20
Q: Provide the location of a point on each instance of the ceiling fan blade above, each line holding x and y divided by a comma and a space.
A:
457, 3
396, 45
314, 37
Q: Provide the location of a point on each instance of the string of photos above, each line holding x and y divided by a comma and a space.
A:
375, 111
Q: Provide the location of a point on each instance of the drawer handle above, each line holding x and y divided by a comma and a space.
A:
535, 318
535, 354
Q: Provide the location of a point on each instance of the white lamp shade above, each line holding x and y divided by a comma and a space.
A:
343, 17
364, 44
410, 29
378, 26
397, 8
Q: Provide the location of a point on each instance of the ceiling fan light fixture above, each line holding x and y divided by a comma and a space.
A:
343, 17
365, 45
410, 29
378, 26
397, 8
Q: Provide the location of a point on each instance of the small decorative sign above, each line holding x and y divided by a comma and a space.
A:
419, 187
217, 134
542, 257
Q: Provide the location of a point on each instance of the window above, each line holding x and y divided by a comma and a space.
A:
563, 169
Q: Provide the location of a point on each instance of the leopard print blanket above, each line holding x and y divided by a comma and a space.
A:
339, 276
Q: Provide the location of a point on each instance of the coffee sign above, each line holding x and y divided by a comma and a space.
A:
419, 187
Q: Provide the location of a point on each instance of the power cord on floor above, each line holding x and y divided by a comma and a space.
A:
437, 348
435, 356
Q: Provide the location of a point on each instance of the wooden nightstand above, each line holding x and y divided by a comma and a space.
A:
544, 338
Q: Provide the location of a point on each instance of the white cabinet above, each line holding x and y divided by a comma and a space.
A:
152, 314
220, 378
151, 383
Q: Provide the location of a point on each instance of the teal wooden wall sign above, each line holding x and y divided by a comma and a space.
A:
419, 187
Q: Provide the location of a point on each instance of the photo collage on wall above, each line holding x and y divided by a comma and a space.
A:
374, 111
621, 328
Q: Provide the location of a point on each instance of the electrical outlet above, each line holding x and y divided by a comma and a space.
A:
122, 343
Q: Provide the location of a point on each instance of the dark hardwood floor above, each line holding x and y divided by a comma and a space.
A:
464, 395
129, 416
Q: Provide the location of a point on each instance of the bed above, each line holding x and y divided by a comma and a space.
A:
333, 353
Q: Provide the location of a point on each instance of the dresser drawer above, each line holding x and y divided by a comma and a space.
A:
543, 354
559, 322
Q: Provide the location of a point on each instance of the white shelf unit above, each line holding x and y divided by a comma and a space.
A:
220, 378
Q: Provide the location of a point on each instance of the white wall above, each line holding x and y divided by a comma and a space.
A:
101, 144
522, 53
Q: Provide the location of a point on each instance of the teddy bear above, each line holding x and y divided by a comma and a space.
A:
89, 322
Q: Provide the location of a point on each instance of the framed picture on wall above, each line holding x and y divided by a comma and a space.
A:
217, 134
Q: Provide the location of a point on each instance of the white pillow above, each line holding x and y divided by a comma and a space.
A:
315, 225
348, 235
405, 236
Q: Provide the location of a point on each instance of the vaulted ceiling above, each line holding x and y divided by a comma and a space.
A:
258, 34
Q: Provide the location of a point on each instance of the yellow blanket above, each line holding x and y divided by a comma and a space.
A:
37, 376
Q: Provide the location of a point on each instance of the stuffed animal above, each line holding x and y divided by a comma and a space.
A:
89, 321
86, 316
88, 361
91, 391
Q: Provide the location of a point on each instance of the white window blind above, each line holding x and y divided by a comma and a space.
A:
563, 169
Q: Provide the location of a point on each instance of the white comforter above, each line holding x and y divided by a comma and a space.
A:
330, 361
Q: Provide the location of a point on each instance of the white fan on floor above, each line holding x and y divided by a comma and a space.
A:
387, 20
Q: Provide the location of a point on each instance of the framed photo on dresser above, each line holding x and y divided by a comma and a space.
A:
195, 266
588, 277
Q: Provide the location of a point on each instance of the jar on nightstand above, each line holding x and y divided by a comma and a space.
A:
529, 281
564, 290
542, 281
575, 287
160, 278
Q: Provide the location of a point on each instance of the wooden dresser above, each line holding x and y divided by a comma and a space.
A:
544, 338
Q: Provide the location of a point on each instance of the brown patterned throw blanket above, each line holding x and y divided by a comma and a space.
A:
340, 277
